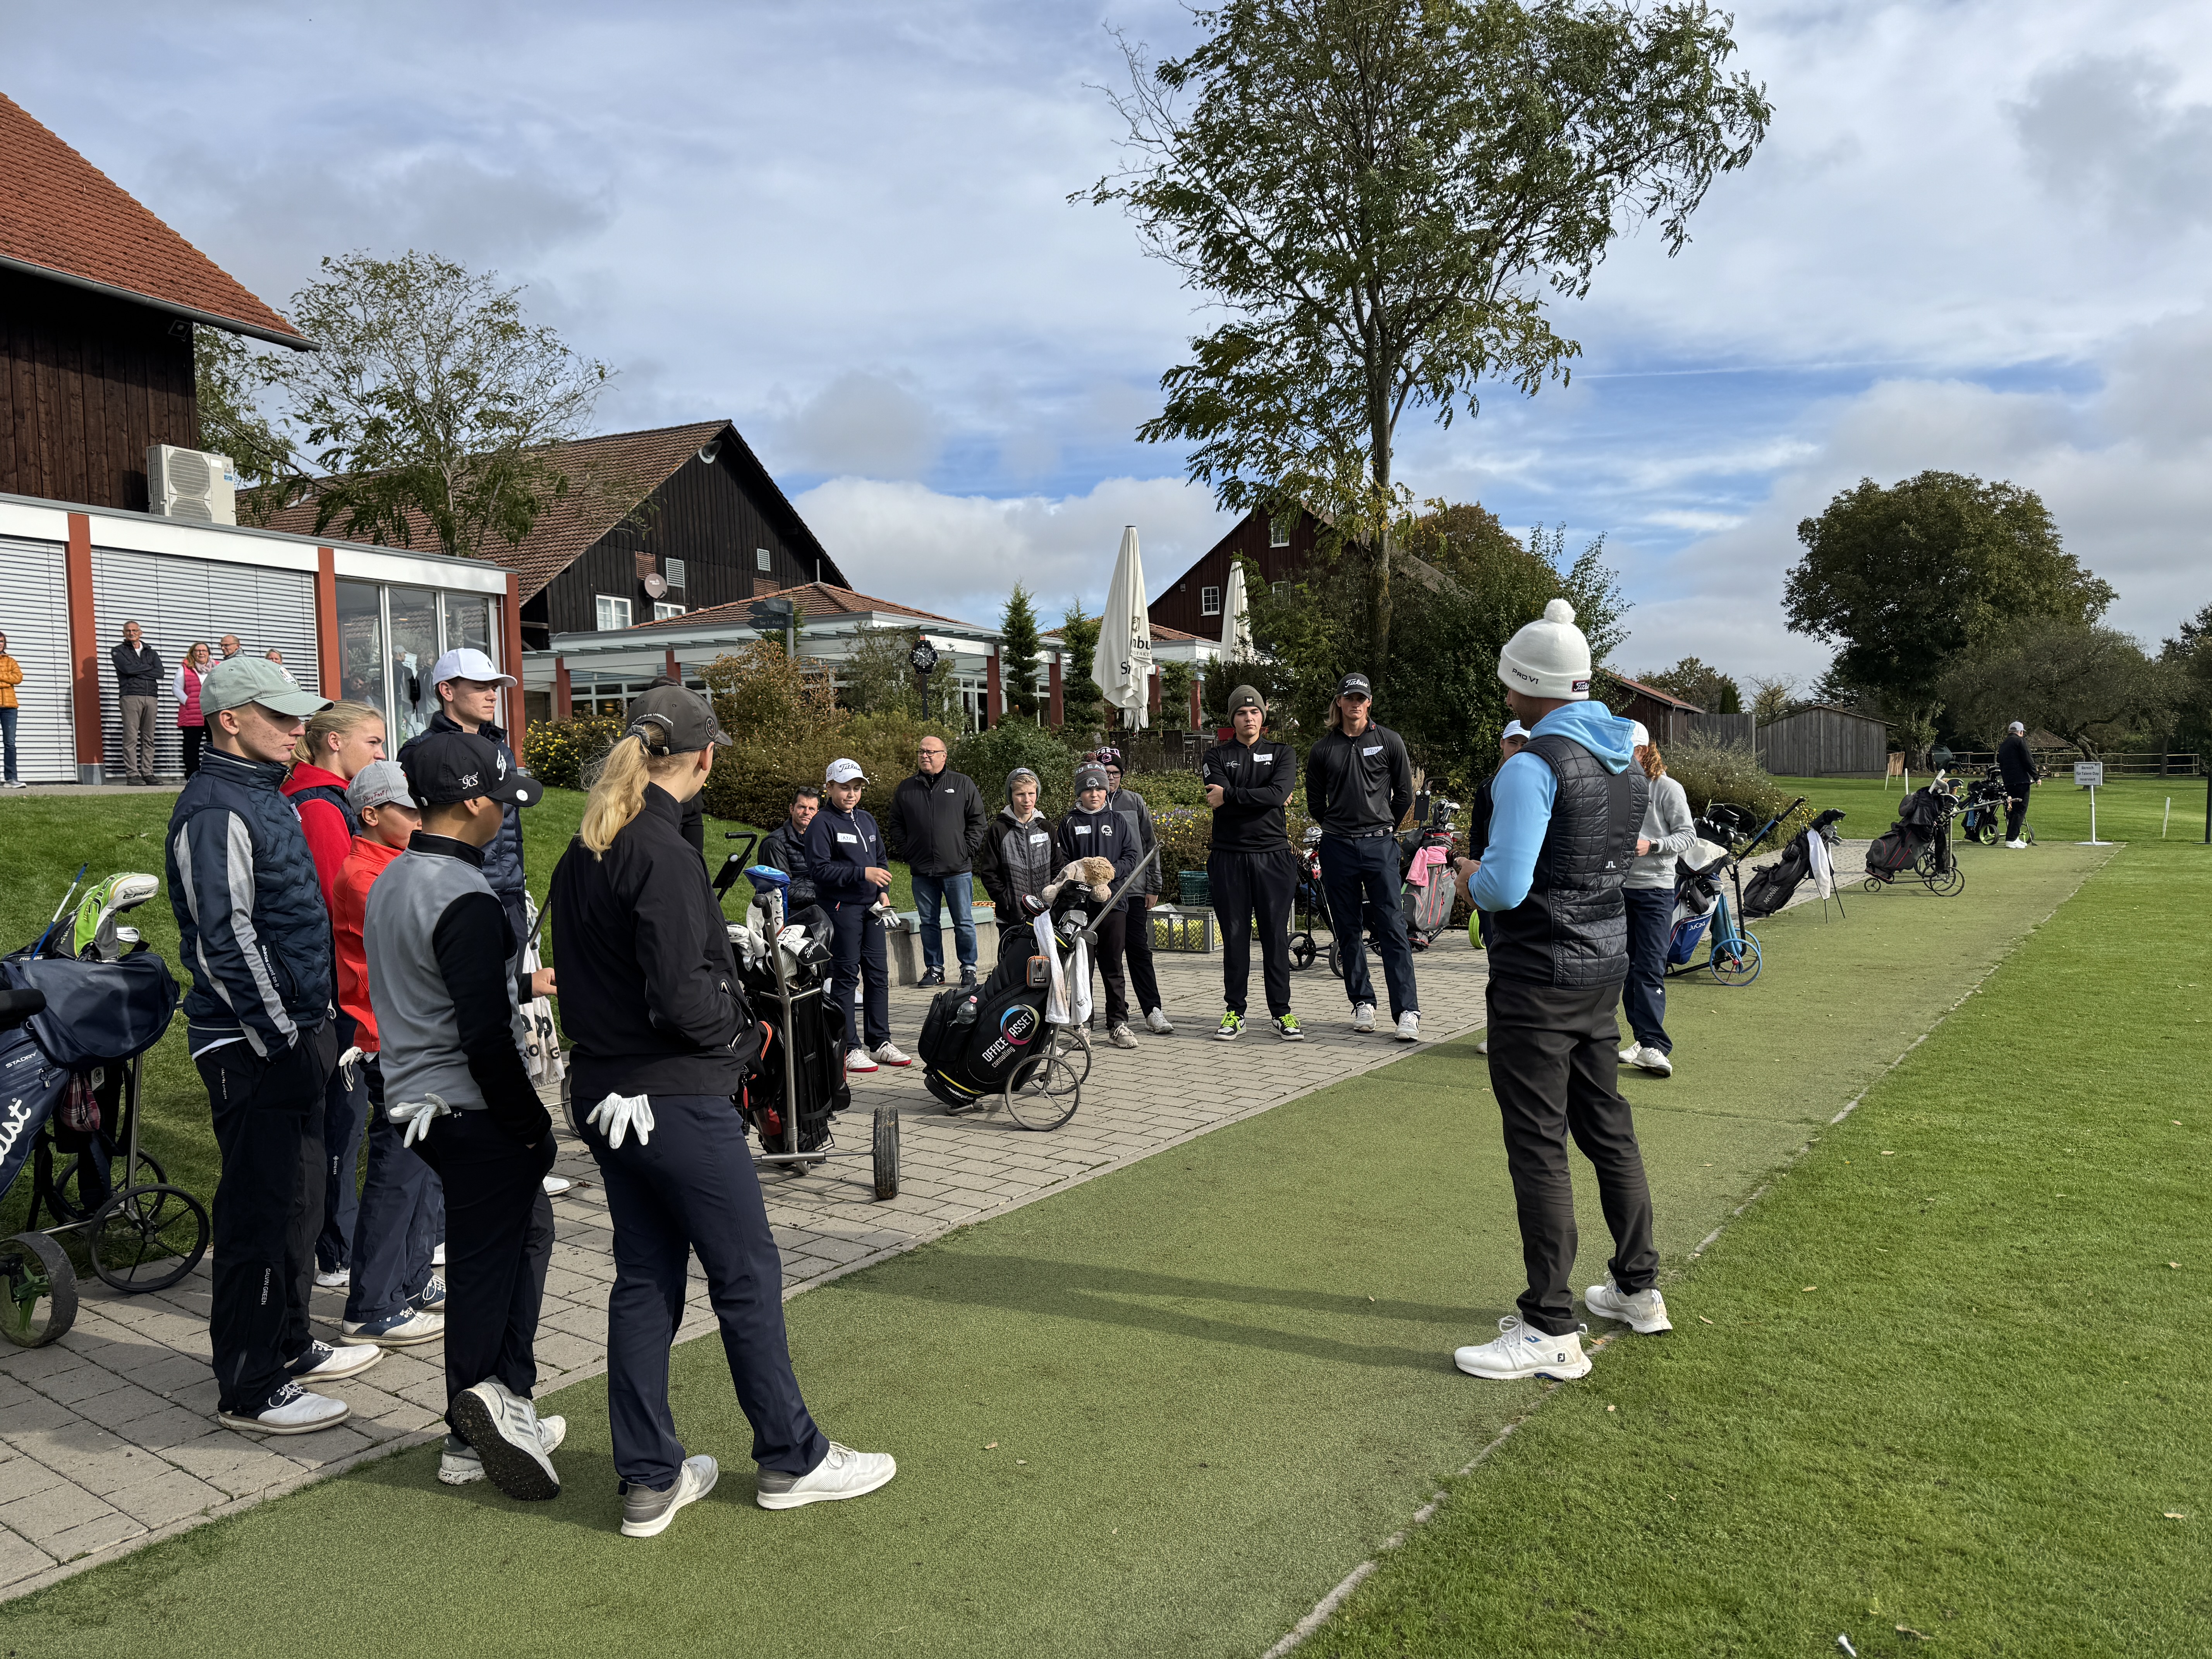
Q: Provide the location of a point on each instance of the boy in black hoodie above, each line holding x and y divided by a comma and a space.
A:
1093, 830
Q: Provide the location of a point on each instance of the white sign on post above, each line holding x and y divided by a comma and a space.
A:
2088, 775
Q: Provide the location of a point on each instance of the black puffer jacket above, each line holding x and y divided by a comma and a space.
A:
1015, 860
1572, 929
935, 822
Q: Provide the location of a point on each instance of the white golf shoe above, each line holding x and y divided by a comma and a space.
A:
889, 1053
1362, 1017
842, 1473
1655, 1061
1520, 1350
1645, 1313
1409, 1027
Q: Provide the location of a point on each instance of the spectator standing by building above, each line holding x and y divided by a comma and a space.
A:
138, 695
446, 980
1016, 859
11, 676
1092, 828
467, 687
337, 744
191, 720
1562, 833
254, 932
785, 849
390, 1299
1250, 870
1649, 894
663, 1038
937, 818
1138, 946
228, 646
2016, 766
1359, 787
851, 874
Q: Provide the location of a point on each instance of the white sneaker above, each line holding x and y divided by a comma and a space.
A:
331, 1279
1656, 1061
290, 1410
646, 1513
2017, 846
889, 1053
856, 1059
460, 1466
1628, 1054
502, 1427
1520, 1350
1156, 1022
323, 1363
1362, 1017
556, 1185
1645, 1313
400, 1330
843, 1473
438, 1254
1409, 1027
1122, 1036
1483, 1047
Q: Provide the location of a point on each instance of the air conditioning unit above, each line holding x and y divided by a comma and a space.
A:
191, 484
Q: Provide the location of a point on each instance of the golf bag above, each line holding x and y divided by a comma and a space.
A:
973, 1042
1695, 899
1771, 888
1919, 816
97, 1015
815, 1033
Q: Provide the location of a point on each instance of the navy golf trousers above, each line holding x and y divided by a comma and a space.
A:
345, 1108
401, 1218
1643, 997
859, 985
1354, 868
692, 1188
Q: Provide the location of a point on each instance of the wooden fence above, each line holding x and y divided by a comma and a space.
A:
1824, 743
1737, 731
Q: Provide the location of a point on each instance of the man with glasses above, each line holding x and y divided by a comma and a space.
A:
138, 676
253, 929
937, 821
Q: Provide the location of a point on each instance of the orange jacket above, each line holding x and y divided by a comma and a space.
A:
349, 909
11, 676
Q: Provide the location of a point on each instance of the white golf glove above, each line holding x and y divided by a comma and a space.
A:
618, 1115
347, 1062
416, 1116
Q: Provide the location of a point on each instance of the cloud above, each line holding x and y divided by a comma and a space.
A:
2106, 130
867, 424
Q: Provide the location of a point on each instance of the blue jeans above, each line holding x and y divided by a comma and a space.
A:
1366, 868
8, 739
959, 892
1644, 998
402, 1216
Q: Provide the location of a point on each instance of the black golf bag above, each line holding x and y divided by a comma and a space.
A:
974, 1041
1919, 816
816, 1037
1771, 888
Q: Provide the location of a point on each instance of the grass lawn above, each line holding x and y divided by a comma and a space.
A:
1163, 1412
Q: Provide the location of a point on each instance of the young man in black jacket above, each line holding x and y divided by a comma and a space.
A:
1250, 868
446, 980
1016, 857
663, 1039
936, 820
1138, 945
852, 873
1359, 787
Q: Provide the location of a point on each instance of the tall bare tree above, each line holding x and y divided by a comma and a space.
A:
1385, 195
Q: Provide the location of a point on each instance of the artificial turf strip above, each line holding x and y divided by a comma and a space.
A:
1952, 1396
1160, 1412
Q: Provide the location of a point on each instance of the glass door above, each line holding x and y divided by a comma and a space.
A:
414, 649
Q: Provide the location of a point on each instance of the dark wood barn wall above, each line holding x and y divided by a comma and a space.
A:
86, 382
1178, 607
707, 517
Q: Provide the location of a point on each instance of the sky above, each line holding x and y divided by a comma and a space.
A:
1977, 239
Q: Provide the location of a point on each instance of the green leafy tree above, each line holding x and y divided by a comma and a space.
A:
876, 677
1082, 702
2188, 656
1694, 681
1385, 197
1771, 697
231, 378
1018, 654
2091, 684
433, 408
1906, 579
1590, 586
1175, 680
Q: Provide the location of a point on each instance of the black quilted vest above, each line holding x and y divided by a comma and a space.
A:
1572, 930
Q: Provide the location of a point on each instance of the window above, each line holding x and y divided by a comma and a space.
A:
761, 561
1280, 590
1279, 531
675, 573
663, 609
1209, 601
612, 613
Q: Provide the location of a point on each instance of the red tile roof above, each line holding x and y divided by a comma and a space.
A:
813, 600
61, 215
1651, 691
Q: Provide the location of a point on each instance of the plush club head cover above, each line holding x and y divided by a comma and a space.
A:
1096, 874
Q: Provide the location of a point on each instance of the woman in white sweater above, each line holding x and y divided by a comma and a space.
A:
1649, 893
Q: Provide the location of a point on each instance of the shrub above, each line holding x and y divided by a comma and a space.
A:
987, 757
561, 754
1710, 772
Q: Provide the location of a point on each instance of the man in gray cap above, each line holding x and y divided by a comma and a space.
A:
1249, 867
1359, 785
253, 928
2017, 767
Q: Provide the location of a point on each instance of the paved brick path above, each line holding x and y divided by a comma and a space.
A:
108, 1439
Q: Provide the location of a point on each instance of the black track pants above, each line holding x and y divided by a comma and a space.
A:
499, 1242
2017, 815
1243, 886
1555, 1067
1137, 952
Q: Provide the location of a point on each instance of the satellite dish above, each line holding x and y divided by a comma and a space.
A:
656, 584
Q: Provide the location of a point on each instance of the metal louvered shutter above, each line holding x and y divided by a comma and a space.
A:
34, 615
177, 601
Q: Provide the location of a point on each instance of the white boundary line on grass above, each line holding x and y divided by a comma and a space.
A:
1325, 1607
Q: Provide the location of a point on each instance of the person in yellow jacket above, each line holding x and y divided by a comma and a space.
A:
11, 676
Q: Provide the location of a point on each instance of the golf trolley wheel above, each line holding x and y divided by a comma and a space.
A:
69, 1195
887, 1152
1873, 884
41, 1290
1044, 1094
1335, 961
1948, 883
1985, 833
2026, 834
1739, 966
146, 1239
1301, 952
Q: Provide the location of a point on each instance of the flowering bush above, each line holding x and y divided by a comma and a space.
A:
562, 754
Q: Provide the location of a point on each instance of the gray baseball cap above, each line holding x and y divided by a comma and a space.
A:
236, 681
380, 783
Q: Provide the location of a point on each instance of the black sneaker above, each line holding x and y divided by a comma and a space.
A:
931, 976
967, 979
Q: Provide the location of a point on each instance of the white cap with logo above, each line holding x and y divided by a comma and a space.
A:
468, 664
844, 771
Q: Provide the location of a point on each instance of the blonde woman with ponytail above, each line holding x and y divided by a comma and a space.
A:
338, 743
1649, 894
651, 1002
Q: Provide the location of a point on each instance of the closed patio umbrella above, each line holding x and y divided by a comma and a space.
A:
1235, 618
1123, 664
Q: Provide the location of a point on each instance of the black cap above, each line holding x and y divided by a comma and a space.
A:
674, 719
1245, 698
444, 767
1355, 685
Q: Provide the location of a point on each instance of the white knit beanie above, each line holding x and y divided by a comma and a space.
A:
1548, 659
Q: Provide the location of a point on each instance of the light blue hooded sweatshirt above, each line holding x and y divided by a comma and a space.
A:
1521, 800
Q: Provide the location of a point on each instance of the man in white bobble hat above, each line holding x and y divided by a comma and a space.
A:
1565, 813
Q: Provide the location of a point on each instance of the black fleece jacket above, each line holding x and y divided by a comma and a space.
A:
1256, 783
1361, 786
649, 987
